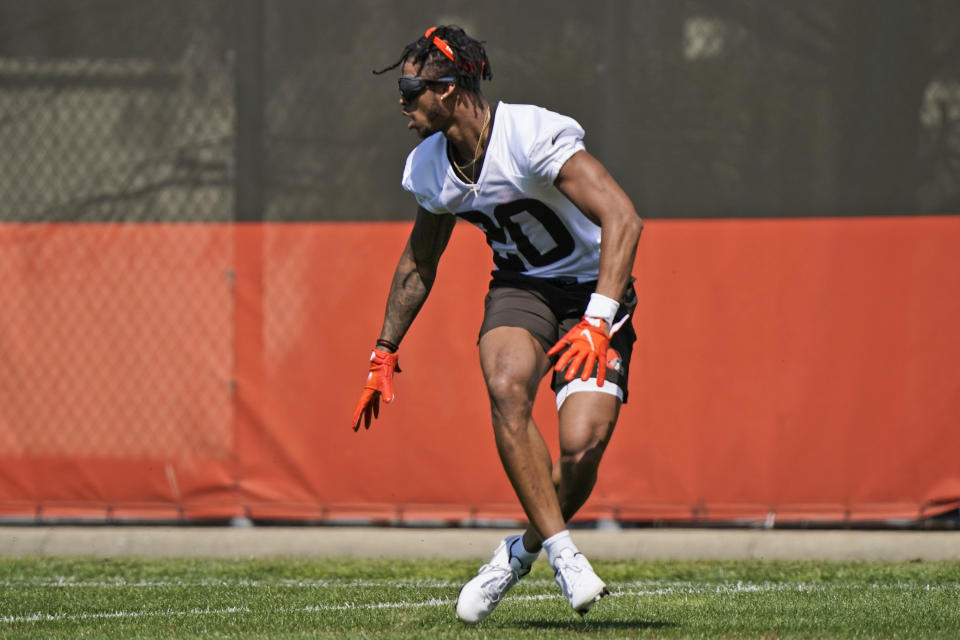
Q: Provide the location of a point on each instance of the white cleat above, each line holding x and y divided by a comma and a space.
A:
479, 597
582, 587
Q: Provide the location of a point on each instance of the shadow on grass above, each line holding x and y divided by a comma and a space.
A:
595, 625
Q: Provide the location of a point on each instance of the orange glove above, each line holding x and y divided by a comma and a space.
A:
588, 342
379, 382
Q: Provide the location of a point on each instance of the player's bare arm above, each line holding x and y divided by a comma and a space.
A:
412, 280
587, 183
415, 273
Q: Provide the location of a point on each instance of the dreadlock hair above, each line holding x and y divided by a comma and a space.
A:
469, 65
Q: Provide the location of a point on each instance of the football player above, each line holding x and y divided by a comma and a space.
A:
564, 237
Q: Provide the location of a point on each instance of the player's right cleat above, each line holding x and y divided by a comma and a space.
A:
479, 597
582, 587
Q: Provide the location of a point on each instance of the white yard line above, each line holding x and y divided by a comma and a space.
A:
638, 588
118, 582
104, 615
361, 606
322, 583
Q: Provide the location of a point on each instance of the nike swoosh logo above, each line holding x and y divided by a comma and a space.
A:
586, 334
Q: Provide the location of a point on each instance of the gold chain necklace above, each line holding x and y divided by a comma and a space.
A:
462, 169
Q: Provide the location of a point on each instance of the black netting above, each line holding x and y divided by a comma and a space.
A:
210, 110
114, 110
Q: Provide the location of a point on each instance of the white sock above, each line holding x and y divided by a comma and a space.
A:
518, 551
557, 543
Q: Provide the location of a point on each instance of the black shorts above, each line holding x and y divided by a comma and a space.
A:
548, 308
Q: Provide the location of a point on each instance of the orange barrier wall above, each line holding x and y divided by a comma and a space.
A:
797, 369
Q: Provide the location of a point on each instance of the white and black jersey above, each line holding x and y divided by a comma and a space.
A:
532, 228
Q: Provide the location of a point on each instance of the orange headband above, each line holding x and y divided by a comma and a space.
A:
447, 50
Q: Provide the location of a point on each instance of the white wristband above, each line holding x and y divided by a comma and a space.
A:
601, 306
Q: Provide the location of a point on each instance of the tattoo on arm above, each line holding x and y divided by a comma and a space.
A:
415, 273
408, 292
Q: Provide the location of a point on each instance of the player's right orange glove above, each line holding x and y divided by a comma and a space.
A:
587, 342
379, 382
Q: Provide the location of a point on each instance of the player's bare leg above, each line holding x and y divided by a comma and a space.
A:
513, 364
587, 420
586, 424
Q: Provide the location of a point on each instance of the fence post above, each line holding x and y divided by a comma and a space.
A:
249, 178
249, 194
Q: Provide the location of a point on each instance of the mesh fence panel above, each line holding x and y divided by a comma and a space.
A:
112, 110
700, 109
118, 340
139, 129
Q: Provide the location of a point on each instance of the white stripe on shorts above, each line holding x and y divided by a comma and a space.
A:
589, 385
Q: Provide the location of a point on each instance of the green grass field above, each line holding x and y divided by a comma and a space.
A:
286, 598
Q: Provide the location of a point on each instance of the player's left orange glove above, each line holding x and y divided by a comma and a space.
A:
588, 342
379, 382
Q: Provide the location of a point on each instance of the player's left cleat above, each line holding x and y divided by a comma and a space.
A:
479, 597
580, 584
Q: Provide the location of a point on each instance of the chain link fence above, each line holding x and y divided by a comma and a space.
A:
168, 111
121, 344
116, 342
115, 111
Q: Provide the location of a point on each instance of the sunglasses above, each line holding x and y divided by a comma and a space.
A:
413, 86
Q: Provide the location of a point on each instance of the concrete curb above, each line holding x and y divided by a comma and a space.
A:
378, 542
